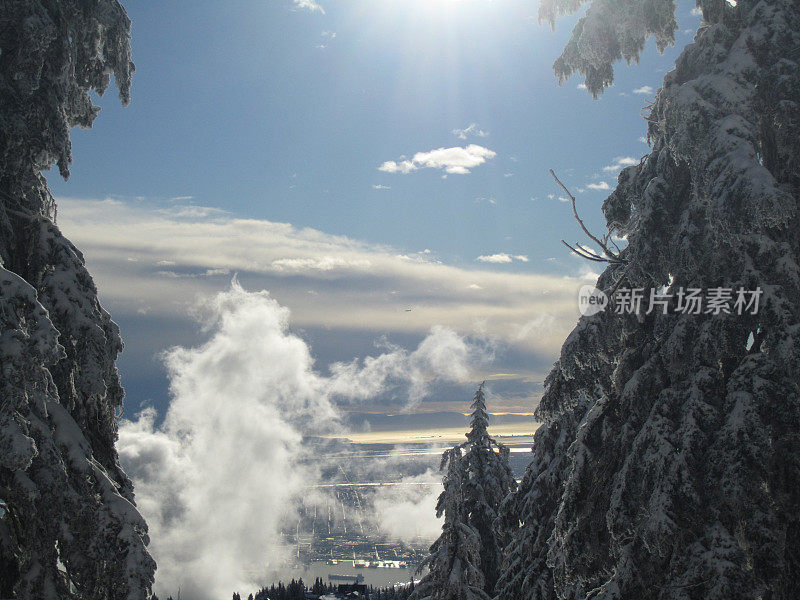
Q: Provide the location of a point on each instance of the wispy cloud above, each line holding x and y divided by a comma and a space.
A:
191, 275
319, 263
471, 129
291, 261
598, 186
380, 186
620, 162
309, 5
403, 513
645, 89
454, 161
536, 326
192, 211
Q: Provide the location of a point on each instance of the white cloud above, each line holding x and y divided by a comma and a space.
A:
495, 258
643, 139
404, 166
443, 353
309, 5
501, 258
241, 404
598, 186
645, 89
471, 129
456, 160
697, 11
581, 86
619, 163
329, 34
226, 429
380, 186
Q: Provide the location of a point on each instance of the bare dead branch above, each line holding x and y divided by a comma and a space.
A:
583, 254
611, 256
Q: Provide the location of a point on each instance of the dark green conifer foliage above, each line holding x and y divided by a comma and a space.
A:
667, 464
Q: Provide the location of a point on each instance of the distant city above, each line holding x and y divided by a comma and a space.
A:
342, 534
337, 535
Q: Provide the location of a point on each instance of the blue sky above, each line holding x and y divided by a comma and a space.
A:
247, 115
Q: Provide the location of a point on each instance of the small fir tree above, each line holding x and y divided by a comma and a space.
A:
464, 562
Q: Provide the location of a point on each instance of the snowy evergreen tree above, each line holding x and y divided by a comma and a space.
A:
70, 528
454, 562
488, 480
668, 465
464, 562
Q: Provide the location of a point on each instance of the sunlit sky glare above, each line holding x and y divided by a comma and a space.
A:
378, 129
